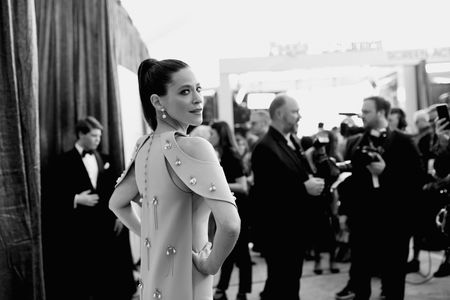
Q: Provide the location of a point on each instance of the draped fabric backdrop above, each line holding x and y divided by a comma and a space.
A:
80, 44
21, 270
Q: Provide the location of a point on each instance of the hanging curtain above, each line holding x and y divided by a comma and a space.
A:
77, 75
80, 45
423, 86
21, 272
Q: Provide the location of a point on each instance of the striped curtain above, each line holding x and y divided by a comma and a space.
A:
80, 45
21, 271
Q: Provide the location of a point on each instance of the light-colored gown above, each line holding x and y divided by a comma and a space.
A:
174, 216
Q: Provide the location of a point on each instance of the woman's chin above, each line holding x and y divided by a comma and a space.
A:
197, 121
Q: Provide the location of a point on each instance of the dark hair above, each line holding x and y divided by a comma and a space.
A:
278, 102
227, 139
153, 77
239, 130
381, 104
87, 124
401, 117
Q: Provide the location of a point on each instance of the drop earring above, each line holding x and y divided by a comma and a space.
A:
163, 111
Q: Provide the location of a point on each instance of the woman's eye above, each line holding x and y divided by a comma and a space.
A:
199, 89
185, 92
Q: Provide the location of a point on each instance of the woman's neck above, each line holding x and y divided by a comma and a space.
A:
170, 124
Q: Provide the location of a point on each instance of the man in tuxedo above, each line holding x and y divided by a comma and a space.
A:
283, 187
90, 246
387, 175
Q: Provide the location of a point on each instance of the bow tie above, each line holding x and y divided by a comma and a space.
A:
86, 152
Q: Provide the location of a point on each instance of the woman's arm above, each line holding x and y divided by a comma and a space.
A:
228, 224
120, 202
309, 158
240, 186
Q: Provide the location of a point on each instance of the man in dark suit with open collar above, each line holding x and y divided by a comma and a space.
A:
283, 187
94, 252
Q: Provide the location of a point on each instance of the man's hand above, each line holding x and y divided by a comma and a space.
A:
86, 199
442, 133
377, 167
441, 128
314, 186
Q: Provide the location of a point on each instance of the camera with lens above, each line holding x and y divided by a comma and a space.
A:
344, 166
366, 154
320, 141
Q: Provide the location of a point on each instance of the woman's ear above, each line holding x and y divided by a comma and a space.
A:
156, 101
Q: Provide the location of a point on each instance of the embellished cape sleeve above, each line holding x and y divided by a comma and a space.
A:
203, 177
140, 142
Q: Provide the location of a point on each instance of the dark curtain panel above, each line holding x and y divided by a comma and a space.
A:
21, 274
77, 75
80, 44
423, 86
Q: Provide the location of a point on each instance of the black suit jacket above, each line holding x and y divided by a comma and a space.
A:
82, 239
280, 197
393, 206
73, 178
90, 228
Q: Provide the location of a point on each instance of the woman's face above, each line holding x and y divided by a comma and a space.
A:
393, 119
183, 101
242, 144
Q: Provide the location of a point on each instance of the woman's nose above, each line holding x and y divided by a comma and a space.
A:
198, 97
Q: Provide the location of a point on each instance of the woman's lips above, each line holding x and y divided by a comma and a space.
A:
197, 111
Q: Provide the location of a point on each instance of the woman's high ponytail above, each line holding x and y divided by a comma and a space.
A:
145, 91
153, 78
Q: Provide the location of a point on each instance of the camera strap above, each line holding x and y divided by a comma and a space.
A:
375, 181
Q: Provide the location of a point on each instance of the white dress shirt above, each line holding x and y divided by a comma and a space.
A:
289, 142
90, 163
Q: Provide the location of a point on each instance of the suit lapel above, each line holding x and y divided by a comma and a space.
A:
80, 165
284, 146
99, 160
100, 165
388, 140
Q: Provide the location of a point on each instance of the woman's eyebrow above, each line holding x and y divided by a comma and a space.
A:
188, 85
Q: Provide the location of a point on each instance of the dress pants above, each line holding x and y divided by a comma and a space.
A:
284, 271
376, 250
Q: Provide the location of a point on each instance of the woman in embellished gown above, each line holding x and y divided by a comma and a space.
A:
178, 182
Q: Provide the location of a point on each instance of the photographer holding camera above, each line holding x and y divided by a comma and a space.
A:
441, 187
386, 174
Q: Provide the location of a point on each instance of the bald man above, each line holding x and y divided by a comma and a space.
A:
283, 186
